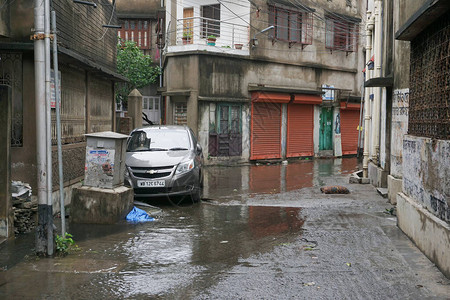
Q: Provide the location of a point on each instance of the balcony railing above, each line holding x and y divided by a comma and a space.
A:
192, 34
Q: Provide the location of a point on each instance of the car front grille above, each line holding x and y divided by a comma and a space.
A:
157, 190
151, 172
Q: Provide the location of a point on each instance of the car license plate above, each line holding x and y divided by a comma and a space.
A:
151, 183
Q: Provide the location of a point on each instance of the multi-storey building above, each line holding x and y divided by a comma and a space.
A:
265, 79
407, 123
87, 63
142, 21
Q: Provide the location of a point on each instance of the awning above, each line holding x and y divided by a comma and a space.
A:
350, 106
307, 99
270, 97
427, 14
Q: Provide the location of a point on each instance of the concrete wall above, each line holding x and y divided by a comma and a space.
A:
6, 212
4, 18
426, 174
429, 233
315, 54
86, 102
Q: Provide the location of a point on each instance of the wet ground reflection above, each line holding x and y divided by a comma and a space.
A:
185, 251
242, 182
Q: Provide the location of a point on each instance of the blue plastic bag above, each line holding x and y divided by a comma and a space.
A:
137, 215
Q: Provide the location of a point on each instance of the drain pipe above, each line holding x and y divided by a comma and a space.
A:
377, 92
367, 106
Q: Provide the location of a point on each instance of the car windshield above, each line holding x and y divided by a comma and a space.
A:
158, 140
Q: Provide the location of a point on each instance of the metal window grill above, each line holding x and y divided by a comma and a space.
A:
429, 112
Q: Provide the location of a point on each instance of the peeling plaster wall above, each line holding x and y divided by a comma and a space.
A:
400, 107
426, 173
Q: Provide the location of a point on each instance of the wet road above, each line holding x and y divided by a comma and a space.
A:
263, 232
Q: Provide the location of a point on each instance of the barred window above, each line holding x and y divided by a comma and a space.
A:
138, 31
210, 20
341, 34
180, 113
293, 26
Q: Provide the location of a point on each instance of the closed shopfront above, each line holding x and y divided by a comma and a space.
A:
349, 127
266, 125
300, 130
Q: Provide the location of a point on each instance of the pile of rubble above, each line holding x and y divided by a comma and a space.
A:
25, 210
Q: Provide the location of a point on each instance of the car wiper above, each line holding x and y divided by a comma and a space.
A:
157, 149
178, 149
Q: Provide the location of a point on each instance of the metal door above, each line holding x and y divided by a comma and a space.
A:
326, 129
300, 135
349, 131
266, 131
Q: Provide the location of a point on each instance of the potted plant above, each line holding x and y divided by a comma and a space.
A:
187, 36
238, 46
211, 40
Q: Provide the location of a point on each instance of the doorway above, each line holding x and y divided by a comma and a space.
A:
326, 129
151, 107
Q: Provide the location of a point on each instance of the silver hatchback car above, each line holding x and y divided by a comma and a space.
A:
164, 160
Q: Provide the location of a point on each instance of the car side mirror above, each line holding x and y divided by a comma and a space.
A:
199, 149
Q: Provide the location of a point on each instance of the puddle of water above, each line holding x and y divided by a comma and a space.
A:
186, 248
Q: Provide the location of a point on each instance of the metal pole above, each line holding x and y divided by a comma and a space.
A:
41, 162
361, 108
58, 126
48, 126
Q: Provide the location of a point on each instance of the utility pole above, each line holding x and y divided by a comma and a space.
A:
44, 229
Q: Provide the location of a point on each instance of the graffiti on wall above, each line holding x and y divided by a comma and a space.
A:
440, 207
400, 105
400, 110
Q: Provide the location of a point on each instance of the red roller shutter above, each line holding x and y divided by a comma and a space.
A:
300, 138
349, 131
266, 131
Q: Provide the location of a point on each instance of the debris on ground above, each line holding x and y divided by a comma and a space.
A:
336, 189
137, 215
25, 210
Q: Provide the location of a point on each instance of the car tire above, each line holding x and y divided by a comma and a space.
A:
198, 193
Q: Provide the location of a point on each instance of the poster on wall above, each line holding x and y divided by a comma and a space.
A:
53, 90
99, 167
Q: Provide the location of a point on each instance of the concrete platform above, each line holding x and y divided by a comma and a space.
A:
92, 205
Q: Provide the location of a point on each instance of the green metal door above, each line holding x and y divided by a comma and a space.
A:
326, 129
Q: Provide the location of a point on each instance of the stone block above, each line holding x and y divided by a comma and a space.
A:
394, 187
429, 233
92, 205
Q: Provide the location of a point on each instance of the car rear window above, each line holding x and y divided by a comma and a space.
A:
158, 140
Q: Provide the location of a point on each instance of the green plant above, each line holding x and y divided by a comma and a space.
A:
211, 37
63, 244
137, 67
187, 34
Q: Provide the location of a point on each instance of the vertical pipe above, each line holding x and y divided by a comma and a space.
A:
41, 162
367, 104
361, 109
48, 125
58, 126
377, 93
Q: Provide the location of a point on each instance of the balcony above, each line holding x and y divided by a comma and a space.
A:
192, 35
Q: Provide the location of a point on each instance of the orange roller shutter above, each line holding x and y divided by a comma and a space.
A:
266, 131
349, 131
300, 138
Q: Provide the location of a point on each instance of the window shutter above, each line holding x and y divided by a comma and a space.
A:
329, 33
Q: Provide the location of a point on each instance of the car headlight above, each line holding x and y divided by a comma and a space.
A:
185, 167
